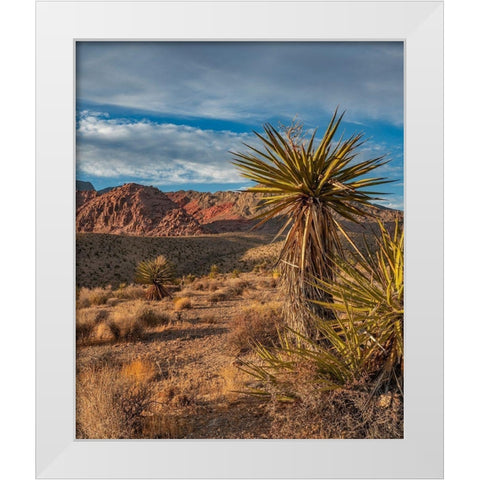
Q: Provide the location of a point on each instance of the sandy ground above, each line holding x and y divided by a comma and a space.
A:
197, 379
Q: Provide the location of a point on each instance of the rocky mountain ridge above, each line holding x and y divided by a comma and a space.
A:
135, 209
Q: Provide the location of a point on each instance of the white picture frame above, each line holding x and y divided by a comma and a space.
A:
59, 25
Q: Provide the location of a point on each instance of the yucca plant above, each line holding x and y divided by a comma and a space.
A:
308, 182
362, 346
156, 273
371, 286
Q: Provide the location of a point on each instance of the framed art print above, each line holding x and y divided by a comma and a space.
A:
240, 206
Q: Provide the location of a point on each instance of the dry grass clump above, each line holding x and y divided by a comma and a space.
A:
257, 324
126, 327
236, 287
152, 318
140, 370
112, 302
126, 322
186, 292
218, 297
130, 292
182, 303
104, 333
94, 296
199, 285
179, 392
111, 404
86, 321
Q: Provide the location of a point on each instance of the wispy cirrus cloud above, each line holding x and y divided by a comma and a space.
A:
246, 81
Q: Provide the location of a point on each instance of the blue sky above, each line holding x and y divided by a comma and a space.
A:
168, 113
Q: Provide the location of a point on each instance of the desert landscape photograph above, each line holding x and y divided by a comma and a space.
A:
239, 240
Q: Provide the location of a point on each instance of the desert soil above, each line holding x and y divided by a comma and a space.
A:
197, 379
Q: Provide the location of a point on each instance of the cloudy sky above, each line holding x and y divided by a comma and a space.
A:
168, 113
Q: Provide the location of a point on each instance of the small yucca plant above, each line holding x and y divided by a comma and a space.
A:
362, 345
155, 273
308, 182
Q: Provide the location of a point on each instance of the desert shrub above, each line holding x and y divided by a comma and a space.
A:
84, 332
186, 292
152, 318
140, 370
86, 321
236, 288
111, 404
125, 323
213, 286
213, 271
198, 286
218, 297
103, 333
129, 292
95, 296
256, 325
182, 303
112, 302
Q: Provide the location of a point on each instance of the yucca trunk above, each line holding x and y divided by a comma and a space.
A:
307, 254
157, 292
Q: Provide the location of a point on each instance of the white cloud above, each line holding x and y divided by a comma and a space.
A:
158, 153
168, 154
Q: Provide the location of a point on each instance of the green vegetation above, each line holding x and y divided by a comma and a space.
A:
155, 273
361, 347
308, 183
213, 271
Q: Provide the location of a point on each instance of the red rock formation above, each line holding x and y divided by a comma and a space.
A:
139, 210
84, 196
136, 210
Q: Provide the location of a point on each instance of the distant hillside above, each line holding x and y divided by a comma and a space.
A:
136, 210
146, 211
84, 186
